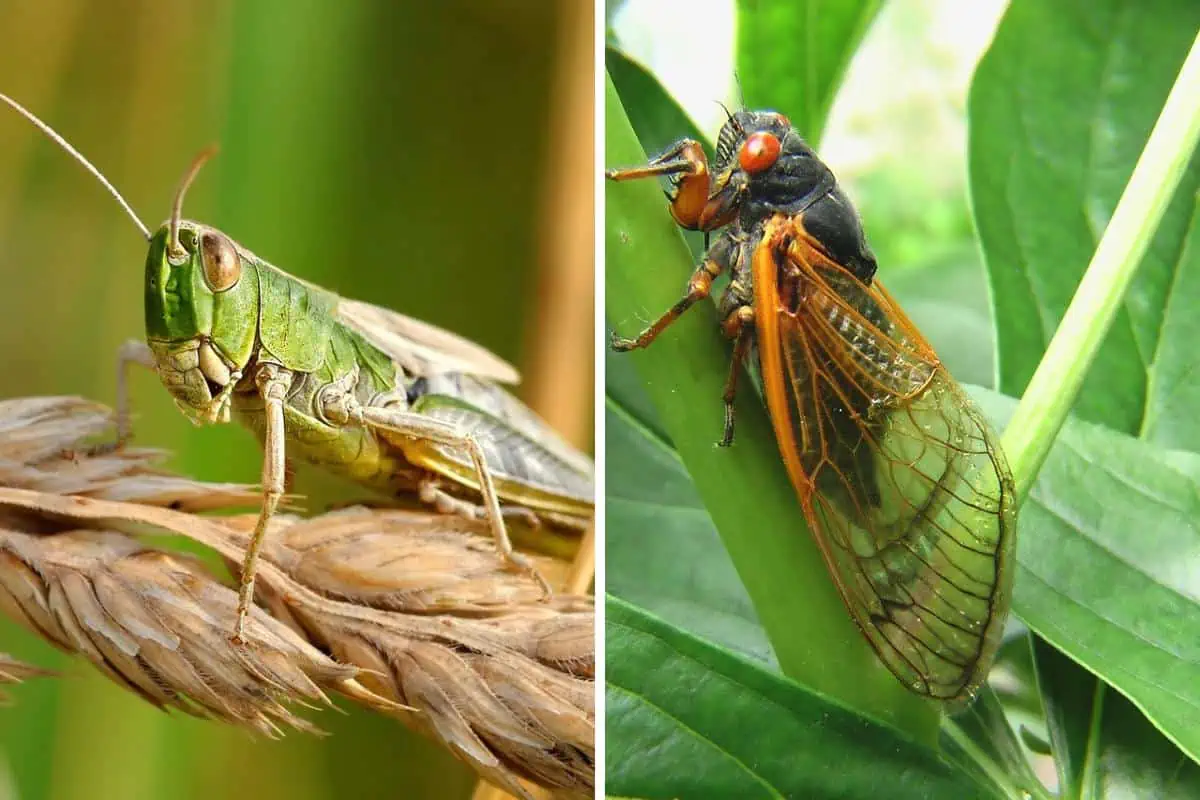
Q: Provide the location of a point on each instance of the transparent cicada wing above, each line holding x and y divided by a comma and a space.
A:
899, 475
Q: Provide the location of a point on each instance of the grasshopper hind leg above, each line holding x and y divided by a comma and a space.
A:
418, 426
431, 493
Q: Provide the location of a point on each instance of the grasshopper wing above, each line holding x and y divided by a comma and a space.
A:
421, 348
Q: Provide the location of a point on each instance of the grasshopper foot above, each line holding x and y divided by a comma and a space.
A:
445, 503
238, 637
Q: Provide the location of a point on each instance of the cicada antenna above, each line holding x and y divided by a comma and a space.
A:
174, 249
741, 94
730, 118
71, 151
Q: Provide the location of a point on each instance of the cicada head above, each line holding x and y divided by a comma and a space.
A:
763, 167
765, 161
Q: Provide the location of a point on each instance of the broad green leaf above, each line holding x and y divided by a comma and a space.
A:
1069, 693
1104, 746
1128, 758
791, 54
1060, 109
1108, 568
948, 303
1089, 579
663, 552
688, 719
655, 116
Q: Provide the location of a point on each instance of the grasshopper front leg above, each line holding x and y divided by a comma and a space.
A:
273, 382
130, 353
417, 426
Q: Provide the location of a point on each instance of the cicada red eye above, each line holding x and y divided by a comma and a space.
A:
759, 152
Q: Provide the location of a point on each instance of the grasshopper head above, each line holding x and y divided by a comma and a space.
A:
201, 314
201, 310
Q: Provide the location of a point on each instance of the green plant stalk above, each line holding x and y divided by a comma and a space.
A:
1055, 384
993, 770
744, 487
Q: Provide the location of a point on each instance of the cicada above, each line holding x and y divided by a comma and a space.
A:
898, 475
393, 403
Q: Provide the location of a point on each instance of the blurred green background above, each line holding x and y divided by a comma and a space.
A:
435, 158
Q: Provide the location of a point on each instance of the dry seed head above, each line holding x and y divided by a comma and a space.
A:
410, 561
421, 603
504, 713
14, 671
158, 624
64, 445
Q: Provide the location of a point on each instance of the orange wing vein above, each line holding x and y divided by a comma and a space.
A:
898, 474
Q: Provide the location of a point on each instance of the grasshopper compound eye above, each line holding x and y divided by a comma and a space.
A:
222, 265
759, 152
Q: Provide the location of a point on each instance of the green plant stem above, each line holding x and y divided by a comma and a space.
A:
1055, 384
993, 770
744, 487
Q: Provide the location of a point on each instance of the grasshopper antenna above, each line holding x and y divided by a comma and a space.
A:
174, 249
54, 136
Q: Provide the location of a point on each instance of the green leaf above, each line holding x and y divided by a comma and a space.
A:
1131, 760
687, 719
655, 116
1068, 695
663, 552
1106, 568
791, 54
947, 301
1088, 579
1060, 109
1104, 746
744, 487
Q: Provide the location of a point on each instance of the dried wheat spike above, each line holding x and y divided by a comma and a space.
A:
158, 624
500, 710
65, 445
449, 639
505, 681
410, 561
14, 671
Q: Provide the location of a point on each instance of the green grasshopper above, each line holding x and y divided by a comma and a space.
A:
393, 403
